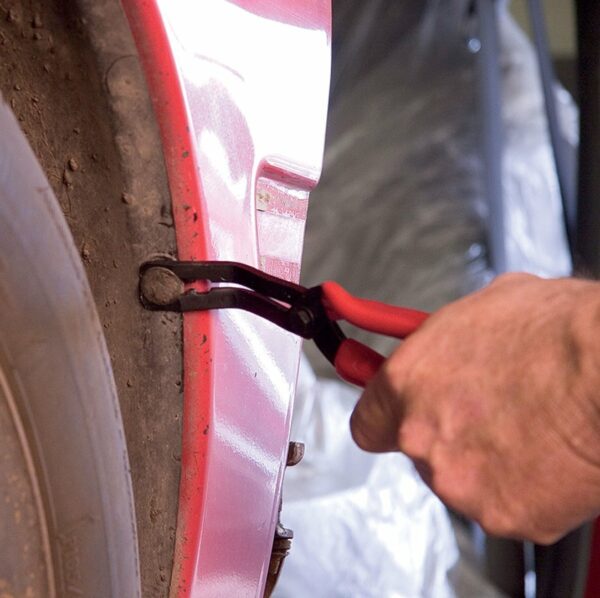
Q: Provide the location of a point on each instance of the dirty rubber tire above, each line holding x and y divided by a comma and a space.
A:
71, 75
72, 518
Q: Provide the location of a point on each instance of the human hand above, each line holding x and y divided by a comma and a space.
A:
496, 400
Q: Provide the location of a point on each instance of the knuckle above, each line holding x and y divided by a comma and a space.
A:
498, 523
543, 530
544, 537
520, 524
442, 479
505, 516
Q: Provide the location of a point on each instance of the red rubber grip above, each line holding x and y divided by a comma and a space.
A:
377, 317
356, 363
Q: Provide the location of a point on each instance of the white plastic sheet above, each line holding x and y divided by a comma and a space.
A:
366, 526
535, 236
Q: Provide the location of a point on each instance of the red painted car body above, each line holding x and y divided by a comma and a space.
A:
240, 91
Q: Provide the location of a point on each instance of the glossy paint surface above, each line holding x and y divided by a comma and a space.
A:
240, 90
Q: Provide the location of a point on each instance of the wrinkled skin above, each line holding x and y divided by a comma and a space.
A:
497, 401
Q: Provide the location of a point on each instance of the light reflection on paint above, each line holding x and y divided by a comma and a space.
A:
280, 236
242, 444
212, 33
246, 339
216, 154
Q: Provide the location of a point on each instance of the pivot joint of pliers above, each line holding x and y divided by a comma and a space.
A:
290, 306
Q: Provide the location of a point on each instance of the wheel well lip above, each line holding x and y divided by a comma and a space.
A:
181, 162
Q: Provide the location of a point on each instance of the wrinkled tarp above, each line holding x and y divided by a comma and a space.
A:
400, 216
365, 525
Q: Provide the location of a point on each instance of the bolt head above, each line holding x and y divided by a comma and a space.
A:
160, 286
295, 453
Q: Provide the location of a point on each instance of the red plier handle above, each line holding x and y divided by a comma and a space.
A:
310, 313
354, 361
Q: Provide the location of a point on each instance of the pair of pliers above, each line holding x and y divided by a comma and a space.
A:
311, 313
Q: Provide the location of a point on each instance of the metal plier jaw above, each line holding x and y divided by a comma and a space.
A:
307, 312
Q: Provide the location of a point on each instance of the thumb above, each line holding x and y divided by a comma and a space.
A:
375, 420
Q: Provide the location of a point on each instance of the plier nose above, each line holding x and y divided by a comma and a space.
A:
311, 313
